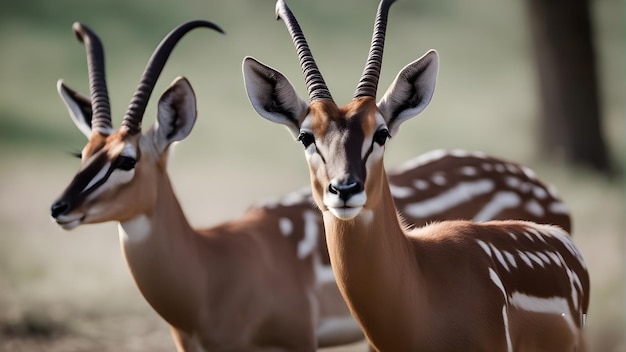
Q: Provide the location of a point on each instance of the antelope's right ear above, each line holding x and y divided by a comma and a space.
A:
273, 96
79, 107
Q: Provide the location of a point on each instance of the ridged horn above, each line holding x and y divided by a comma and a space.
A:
313, 78
368, 84
137, 106
100, 104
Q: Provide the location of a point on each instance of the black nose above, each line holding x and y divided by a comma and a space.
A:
345, 189
59, 208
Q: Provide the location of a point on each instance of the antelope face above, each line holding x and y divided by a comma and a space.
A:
343, 145
106, 186
120, 169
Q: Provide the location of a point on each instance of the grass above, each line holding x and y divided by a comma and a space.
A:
75, 285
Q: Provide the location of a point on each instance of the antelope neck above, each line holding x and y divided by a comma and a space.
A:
159, 250
372, 261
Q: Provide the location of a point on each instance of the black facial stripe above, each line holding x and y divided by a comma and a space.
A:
82, 180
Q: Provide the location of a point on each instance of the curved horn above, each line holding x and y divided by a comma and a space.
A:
369, 79
137, 106
314, 81
100, 105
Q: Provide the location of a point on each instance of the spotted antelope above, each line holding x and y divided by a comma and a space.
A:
447, 286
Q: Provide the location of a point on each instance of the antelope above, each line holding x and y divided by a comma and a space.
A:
458, 285
239, 286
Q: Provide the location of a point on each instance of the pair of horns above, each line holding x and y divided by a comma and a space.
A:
100, 104
368, 84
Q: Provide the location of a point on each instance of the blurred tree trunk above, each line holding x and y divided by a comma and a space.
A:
571, 119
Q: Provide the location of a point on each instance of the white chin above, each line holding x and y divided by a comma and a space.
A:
346, 213
70, 225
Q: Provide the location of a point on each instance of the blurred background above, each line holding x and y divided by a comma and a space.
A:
71, 291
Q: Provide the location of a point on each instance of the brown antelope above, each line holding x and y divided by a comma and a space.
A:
447, 286
240, 286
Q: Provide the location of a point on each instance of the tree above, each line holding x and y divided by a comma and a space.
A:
571, 121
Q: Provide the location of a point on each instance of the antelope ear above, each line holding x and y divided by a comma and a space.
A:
176, 114
273, 96
79, 107
411, 91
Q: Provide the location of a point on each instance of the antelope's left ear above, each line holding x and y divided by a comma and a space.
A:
411, 91
176, 114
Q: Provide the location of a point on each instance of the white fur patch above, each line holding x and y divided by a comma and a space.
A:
286, 226
499, 202
311, 230
533, 207
401, 192
461, 193
135, 230
551, 305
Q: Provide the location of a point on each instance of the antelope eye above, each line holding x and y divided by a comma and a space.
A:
125, 163
381, 136
306, 138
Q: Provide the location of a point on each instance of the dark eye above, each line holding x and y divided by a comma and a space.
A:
381, 136
306, 138
125, 163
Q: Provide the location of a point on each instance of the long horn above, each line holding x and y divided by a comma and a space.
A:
369, 79
100, 105
137, 106
314, 81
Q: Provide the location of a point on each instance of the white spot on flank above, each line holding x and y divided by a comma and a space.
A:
422, 159
459, 153
469, 171
286, 226
540, 192
550, 305
558, 208
500, 201
311, 230
323, 273
512, 182
511, 258
507, 333
500, 257
533, 207
529, 173
512, 168
524, 258
543, 257
500, 168
534, 258
461, 193
421, 184
485, 247
135, 230
400, 192
439, 179
496, 280
487, 166
555, 258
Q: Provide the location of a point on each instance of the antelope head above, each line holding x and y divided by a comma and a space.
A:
118, 172
343, 145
